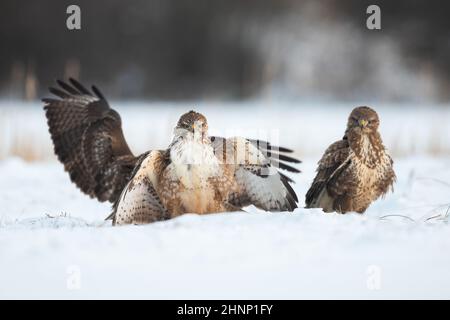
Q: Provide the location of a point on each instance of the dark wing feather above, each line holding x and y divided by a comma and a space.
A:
276, 155
261, 184
261, 144
332, 163
88, 139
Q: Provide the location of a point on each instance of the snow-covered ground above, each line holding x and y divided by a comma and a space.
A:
55, 244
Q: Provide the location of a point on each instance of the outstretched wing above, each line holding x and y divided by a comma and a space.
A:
259, 181
88, 139
333, 162
277, 156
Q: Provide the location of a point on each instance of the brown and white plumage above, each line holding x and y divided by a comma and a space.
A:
156, 185
88, 139
196, 174
354, 171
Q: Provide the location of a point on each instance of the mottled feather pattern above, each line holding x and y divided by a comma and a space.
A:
336, 155
354, 171
193, 175
88, 140
140, 204
277, 156
196, 176
260, 183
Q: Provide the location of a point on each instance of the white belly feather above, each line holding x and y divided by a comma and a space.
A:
193, 164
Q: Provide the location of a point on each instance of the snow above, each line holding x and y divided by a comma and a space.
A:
54, 242
307, 127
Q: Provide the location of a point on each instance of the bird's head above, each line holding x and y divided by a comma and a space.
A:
363, 120
194, 125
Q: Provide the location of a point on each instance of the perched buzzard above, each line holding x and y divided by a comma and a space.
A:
198, 173
354, 171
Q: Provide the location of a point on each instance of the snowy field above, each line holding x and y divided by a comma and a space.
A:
308, 128
55, 244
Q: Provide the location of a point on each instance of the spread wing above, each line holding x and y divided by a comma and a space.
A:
259, 181
88, 139
277, 156
333, 163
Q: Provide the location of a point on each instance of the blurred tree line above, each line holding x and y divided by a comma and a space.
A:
189, 49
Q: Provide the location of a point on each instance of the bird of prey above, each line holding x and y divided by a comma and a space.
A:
354, 171
197, 173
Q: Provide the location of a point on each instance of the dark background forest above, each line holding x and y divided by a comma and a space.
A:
229, 49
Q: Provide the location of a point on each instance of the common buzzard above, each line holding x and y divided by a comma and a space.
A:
354, 171
197, 173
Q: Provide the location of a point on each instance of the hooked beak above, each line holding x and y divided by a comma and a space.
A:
363, 123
